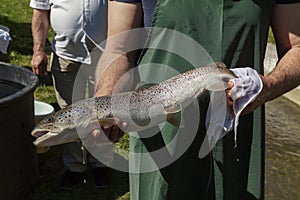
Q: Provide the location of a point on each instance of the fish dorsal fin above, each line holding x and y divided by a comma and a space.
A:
143, 85
217, 64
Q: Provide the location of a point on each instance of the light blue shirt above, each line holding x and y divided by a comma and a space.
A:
148, 9
73, 21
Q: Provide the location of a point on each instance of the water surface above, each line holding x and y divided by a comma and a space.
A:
282, 150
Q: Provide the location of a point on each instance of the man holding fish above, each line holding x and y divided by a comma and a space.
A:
233, 32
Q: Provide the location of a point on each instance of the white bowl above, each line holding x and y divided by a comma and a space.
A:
41, 110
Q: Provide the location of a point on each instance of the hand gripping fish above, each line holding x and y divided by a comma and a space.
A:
140, 109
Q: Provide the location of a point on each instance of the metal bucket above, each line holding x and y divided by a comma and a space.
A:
18, 166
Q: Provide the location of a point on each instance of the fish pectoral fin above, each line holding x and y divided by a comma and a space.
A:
175, 119
85, 124
175, 108
174, 115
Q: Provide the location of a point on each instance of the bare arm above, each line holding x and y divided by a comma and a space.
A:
286, 28
115, 61
40, 26
286, 75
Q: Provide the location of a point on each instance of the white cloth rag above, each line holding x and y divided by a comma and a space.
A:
4, 39
246, 88
219, 120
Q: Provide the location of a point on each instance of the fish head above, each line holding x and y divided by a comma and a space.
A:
55, 129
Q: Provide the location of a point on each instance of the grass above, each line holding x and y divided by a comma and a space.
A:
16, 15
271, 38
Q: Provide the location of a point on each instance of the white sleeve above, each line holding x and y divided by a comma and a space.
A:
40, 4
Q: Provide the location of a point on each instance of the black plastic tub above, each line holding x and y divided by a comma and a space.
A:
18, 165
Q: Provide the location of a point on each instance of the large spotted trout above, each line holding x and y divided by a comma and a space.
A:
140, 109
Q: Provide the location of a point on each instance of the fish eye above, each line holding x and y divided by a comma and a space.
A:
49, 119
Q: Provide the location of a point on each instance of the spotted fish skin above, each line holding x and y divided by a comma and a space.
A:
140, 109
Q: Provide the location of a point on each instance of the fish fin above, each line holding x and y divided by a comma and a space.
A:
85, 124
174, 115
173, 109
175, 119
217, 64
143, 85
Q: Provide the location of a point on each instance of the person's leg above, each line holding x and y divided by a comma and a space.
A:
97, 163
64, 73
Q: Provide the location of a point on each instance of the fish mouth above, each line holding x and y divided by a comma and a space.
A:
39, 133
44, 139
47, 138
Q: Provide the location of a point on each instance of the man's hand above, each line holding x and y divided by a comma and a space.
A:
113, 132
246, 92
229, 99
251, 107
262, 98
39, 63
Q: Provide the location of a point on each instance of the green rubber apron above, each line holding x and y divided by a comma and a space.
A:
234, 32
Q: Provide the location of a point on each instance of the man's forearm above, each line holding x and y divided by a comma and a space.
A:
286, 75
111, 68
40, 26
117, 58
